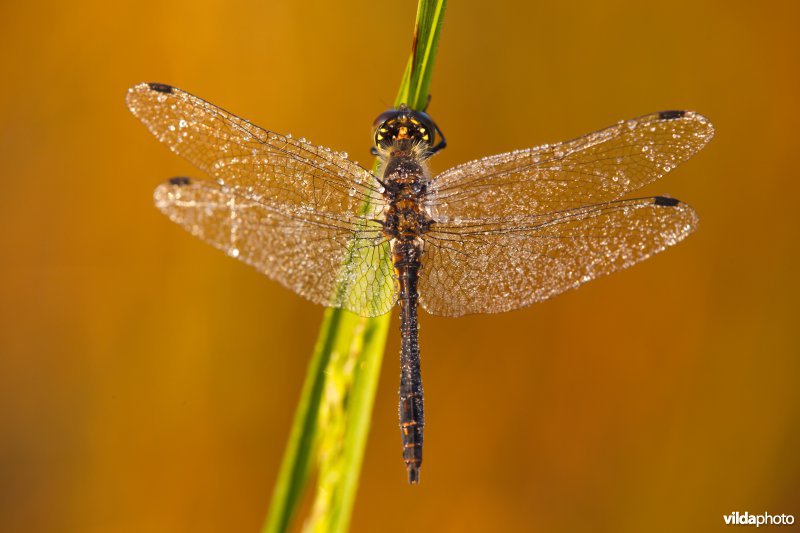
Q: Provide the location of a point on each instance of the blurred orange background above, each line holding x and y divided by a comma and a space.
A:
148, 382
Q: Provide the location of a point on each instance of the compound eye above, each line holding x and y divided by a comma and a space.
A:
382, 127
426, 127
381, 137
385, 117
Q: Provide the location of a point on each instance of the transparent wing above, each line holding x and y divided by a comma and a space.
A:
502, 265
261, 165
598, 167
305, 252
296, 212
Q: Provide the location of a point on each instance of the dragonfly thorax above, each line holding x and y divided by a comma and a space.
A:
404, 170
404, 221
405, 183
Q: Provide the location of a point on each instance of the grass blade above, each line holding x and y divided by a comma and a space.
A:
332, 421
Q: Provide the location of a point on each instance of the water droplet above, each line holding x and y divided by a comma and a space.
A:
233, 252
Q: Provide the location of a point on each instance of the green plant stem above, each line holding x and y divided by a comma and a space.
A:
333, 416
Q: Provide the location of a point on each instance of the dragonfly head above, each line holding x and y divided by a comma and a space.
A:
402, 126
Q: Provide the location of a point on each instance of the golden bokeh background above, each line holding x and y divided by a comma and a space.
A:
148, 382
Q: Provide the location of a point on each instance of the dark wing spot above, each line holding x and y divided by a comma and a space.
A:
180, 181
671, 115
160, 87
666, 201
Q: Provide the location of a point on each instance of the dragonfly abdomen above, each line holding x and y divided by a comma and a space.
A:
405, 256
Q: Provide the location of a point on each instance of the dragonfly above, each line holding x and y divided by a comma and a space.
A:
491, 235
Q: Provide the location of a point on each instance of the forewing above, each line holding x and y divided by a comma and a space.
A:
595, 168
261, 165
507, 264
305, 252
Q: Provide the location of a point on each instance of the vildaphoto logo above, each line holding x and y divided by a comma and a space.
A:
746, 519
